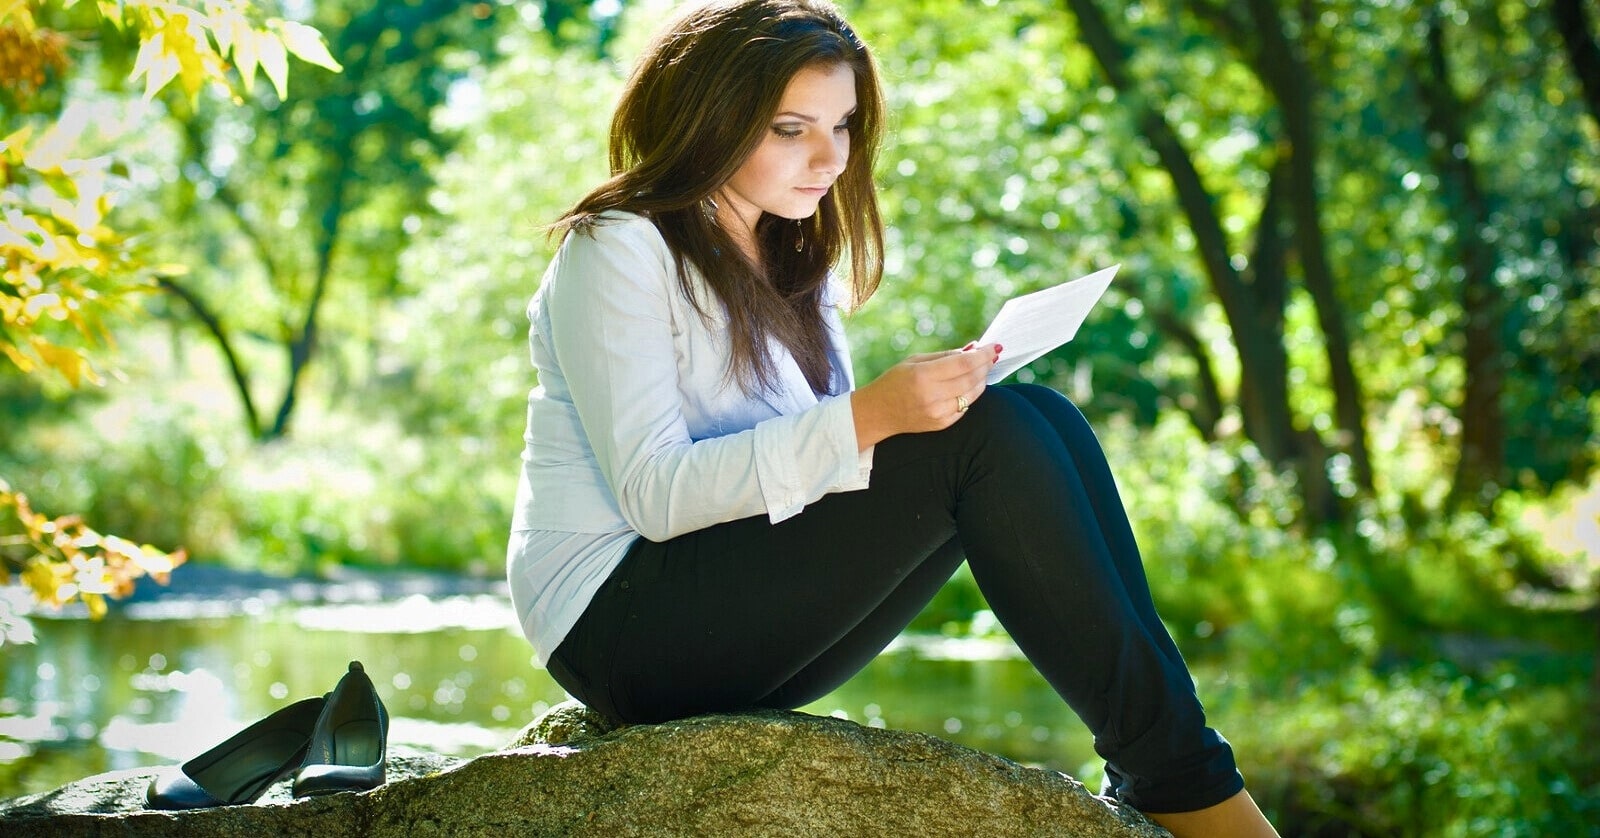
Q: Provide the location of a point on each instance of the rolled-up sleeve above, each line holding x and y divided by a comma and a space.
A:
788, 450
613, 334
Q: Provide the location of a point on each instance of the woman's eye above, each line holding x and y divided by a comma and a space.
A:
842, 128
786, 131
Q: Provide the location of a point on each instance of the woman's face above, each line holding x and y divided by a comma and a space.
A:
804, 150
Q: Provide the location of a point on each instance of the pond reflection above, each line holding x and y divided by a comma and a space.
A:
158, 683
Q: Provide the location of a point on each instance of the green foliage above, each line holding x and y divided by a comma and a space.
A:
361, 493
67, 265
1430, 752
1391, 226
457, 347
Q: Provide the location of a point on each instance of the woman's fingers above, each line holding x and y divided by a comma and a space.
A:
986, 356
952, 381
964, 401
925, 392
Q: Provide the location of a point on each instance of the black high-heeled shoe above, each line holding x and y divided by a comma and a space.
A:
241, 768
348, 745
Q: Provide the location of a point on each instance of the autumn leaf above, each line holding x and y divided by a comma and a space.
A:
307, 44
189, 51
156, 65
274, 61
72, 364
242, 42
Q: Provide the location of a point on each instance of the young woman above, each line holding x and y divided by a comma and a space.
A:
712, 517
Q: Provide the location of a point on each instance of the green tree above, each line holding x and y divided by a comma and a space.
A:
1252, 292
320, 191
1516, 181
68, 265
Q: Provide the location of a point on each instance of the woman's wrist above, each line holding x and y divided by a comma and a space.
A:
870, 426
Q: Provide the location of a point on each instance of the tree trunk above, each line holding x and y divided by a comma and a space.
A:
1572, 21
1284, 70
1257, 328
222, 191
219, 333
1481, 414
301, 347
1204, 406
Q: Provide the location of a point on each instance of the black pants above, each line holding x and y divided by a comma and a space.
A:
749, 614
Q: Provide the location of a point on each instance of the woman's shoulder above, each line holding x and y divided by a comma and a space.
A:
618, 226
612, 249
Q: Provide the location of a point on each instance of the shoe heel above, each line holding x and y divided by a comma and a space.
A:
348, 747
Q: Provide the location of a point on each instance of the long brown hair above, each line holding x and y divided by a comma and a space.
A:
699, 101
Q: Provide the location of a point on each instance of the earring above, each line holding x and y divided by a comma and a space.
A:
709, 207
799, 236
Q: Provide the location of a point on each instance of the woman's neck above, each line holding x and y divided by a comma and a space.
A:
739, 228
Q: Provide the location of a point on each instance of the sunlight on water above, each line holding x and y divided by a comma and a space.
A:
413, 615
940, 648
448, 737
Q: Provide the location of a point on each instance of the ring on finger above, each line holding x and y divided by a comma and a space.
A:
962, 404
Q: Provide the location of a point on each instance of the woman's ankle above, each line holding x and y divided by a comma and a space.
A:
1236, 817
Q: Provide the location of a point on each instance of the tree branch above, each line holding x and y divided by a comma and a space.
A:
213, 324
304, 343
1207, 413
226, 194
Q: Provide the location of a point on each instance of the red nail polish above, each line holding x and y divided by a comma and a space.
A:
970, 345
997, 350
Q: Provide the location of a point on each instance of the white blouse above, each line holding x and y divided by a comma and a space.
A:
637, 430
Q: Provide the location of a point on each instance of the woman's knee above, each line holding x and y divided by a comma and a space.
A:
1003, 419
1002, 409
1057, 409
1050, 402
1025, 405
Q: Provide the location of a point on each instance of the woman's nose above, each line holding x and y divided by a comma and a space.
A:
831, 154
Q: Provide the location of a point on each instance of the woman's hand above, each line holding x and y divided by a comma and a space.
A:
922, 393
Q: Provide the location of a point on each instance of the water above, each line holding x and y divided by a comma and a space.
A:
155, 685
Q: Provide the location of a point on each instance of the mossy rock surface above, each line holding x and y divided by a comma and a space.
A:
573, 773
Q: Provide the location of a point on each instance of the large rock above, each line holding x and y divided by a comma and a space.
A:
755, 774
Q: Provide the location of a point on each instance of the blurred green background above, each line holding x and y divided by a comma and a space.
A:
1346, 376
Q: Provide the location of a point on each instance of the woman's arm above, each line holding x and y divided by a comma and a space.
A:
610, 300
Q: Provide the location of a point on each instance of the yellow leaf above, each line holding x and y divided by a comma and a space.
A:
71, 363
159, 565
40, 577
22, 362
156, 65
42, 304
180, 43
92, 576
53, 149
274, 61
111, 10
307, 45
20, 8
156, 563
16, 141
119, 546
244, 52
